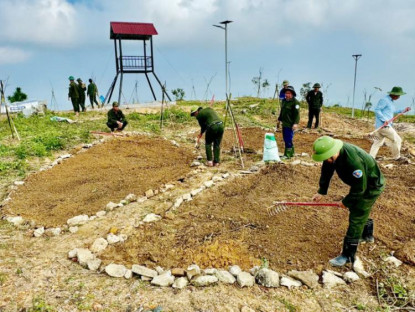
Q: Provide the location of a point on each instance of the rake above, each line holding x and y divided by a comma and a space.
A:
281, 206
371, 135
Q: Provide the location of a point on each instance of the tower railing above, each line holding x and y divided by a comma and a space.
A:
137, 63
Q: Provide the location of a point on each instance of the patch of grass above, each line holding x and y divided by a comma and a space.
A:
40, 305
3, 278
288, 305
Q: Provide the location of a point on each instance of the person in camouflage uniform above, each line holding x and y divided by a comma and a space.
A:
314, 100
210, 123
289, 117
360, 171
81, 91
73, 95
92, 93
116, 118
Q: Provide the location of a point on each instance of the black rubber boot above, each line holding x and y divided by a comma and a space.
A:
367, 235
348, 254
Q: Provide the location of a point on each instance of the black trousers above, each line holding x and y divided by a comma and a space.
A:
313, 112
114, 125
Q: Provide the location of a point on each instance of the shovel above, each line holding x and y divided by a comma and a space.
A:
371, 135
281, 206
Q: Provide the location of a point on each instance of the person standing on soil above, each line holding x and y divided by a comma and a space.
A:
360, 171
285, 84
81, 91
92, 93
384, 111
314, 100
210, 123
73, 94
289, 117
116, 118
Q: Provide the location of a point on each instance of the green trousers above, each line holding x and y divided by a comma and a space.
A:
75, 104
359, 214
214, 136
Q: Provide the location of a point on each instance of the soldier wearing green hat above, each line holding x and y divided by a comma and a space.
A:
210, 123
314, 100
285, 84
81, 91
73, 95
360, 171
116, 118
384, 111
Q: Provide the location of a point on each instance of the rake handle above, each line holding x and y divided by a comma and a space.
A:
308, 204
390, 120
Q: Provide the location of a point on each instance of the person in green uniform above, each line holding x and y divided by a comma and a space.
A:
92, 93
314, 100
289, 117
210, 123
360, 171
81, 91
116, 118
73, 94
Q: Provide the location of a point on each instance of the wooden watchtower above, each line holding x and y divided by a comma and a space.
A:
142, 64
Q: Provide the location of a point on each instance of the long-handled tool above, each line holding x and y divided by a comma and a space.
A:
281, 206
371, 134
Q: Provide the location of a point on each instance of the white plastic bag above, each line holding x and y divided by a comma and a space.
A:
270, 148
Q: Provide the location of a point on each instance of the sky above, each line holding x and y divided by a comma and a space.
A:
43, 42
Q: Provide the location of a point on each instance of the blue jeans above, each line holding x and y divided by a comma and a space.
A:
288, 135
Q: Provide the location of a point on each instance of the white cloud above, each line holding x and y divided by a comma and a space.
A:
10, 55
50, 22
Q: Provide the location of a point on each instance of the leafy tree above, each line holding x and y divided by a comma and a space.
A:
260, 83
17, 96
304, 90
178, 93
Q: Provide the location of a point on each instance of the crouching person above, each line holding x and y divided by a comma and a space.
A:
116, 118
360, 171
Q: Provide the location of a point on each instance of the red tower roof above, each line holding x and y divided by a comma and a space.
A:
123, 30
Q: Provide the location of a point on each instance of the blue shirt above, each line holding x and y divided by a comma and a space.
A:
384, 111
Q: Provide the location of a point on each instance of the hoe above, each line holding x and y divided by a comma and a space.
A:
371, 135
281, 206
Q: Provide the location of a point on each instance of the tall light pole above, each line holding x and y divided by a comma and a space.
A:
356, 57
225, 28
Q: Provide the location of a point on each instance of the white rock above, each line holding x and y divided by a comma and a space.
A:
159, 269
178, 202
99, 245
101, 213
358, 267
141, 199
15, 220
87, 146
195, 164
143, 271
267, 278
290, 282
72, 253
73, 229
225, 277
39, 232
93, 264
210, 271
305, 155
113, 239
330, 280
199, 157
394, 261
151, 217
123, 202
351, 277
204, 280
254, 169
254, 270
235, 270
78, 220
196, 191
131, 198
175, 143
115, 270
53, 231
308, 278
226, 175
246, 309
128, 274
149, 193
168, 187
123, 237
187, 197
180, 283
92, 218
245, 279
18, 182
163, 280
146, 278
208, 184
84, 255
111, 206
217, 178
295, 162
389, 166
307, 164
64, 156
192, 270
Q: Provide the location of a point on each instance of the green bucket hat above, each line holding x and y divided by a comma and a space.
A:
396, 91
194, 110
115, 104
316, 85
285, 83
326, 147
71, 78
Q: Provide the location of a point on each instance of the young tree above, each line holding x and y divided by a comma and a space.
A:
304, 90
259, 83
178, 93
17, 96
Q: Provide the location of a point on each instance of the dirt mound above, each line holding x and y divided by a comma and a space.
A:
230, 224
84, 184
